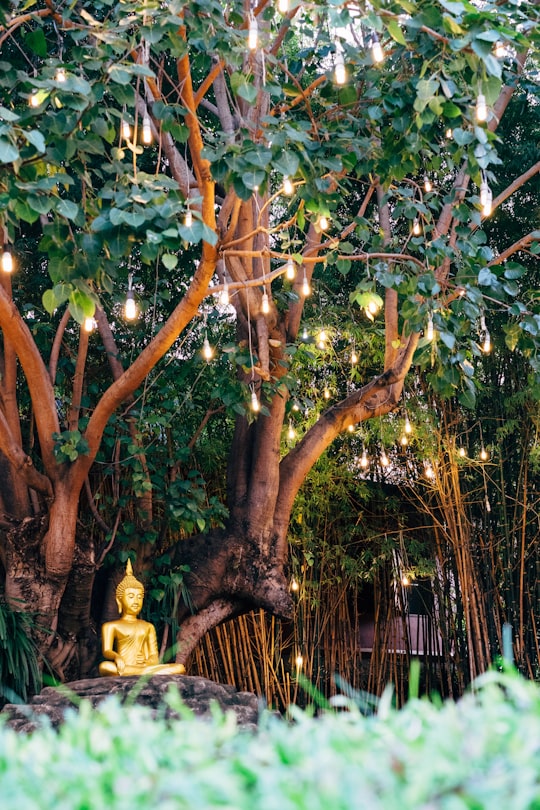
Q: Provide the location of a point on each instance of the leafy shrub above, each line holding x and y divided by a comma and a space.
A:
19, 669
482, 752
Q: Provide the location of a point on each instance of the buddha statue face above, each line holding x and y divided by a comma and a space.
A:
130, 602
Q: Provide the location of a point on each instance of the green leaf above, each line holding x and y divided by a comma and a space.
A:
394, 29
36, 42
49, 301
67, 209
8, 151
170, 260
37, 140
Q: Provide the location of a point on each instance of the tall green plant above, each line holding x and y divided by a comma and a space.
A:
20, 676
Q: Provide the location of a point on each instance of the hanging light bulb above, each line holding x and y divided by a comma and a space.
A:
462, 452
305, 334
265, 304
354, 358
385, 461
7, 260
429, 471
146, 130
294, 584
188, 218
405, 580
288, 186
376, 50
416, 228
255, 404
340, 72
291, 433
283, 6
88, 324
486, 343
407, 426
130, 307
323, 222
290, 272
207, 350
484, 455
326, 393
60, 75
486, 197
372, 308
321, 340
428, 186
430, 332
125, 129
34, 99
404, 440
253, 33
299, 661
224, 298
364, 462
449, 134
306, 289
500, 50
481, 108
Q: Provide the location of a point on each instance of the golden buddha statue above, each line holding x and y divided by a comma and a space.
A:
129, 644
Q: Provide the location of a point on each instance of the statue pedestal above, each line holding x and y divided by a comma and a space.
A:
197, 693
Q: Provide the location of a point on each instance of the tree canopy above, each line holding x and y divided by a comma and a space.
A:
293, 160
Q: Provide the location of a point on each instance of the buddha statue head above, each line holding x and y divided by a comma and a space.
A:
129, 582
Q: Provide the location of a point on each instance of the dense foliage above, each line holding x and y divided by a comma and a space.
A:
478, 753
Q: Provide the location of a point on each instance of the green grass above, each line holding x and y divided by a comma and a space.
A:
482, 752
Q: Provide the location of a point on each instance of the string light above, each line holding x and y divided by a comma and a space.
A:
376, 50
34, 99
340, 72
294, 584
416, 228
88, 324
486, 197
500, 50
373, 306
265, 304
306, 289
428, 186
385, 461
486, 343
326, 393
146, 130
224, 298
364, 461
462, 452
188, 218
291, 433
305, 334
449, 134
125, 129
130, 307
354, 358
7, 260
429, 471
484, 455
481, 108
283, 6
405, 581
60, 75
290, 271
321, 340
430, 332
288, 186
404, 441
207, 351
299, 661
407, 426
253, 33
323, 222
255, 404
